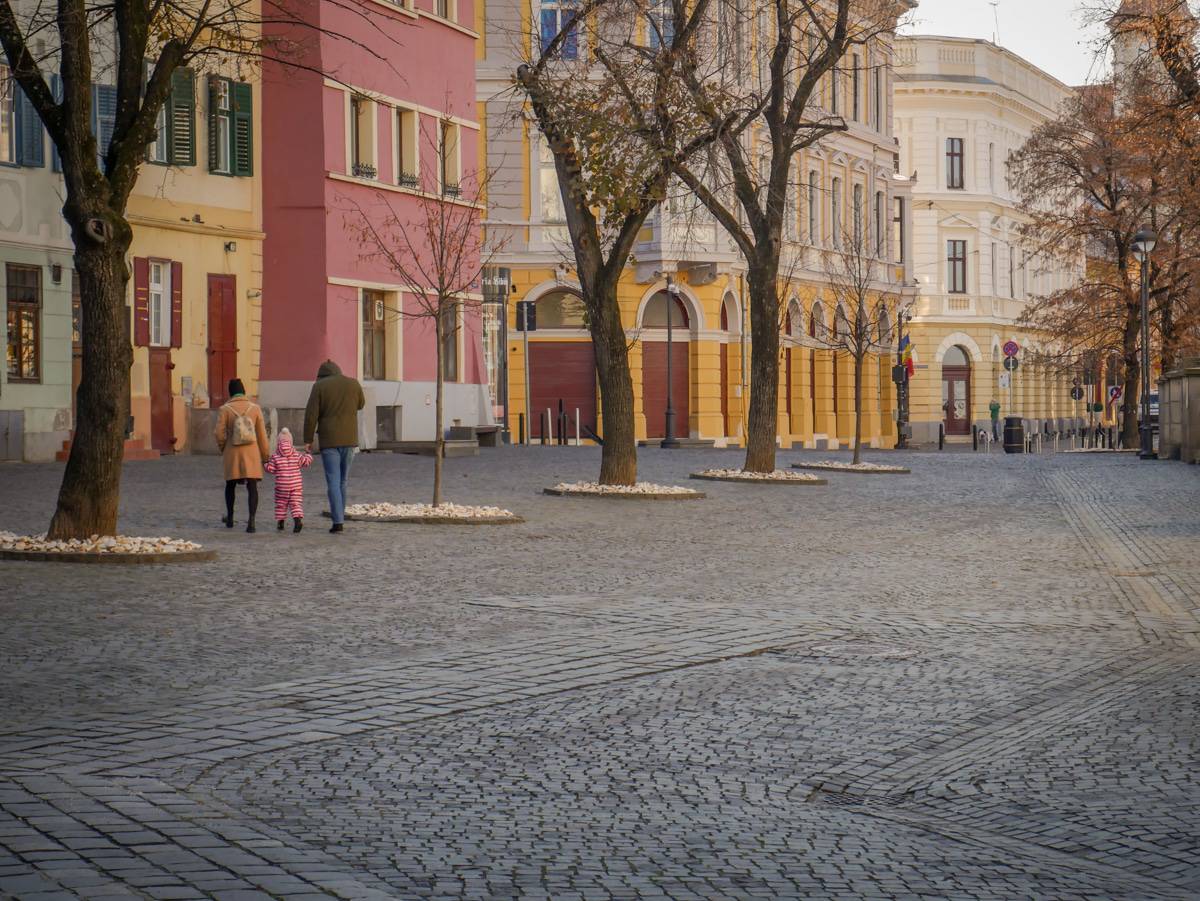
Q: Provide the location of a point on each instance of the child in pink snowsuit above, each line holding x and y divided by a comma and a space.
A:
286, 465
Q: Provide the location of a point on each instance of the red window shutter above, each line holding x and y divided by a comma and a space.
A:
141, 302
177, 304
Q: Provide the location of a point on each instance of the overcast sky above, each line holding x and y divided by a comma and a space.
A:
1048, 33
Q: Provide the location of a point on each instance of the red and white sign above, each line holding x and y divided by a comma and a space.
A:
1011, 348
1114, 394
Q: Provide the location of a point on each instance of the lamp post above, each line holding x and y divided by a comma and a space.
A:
669, 439
901, 383
1143, 246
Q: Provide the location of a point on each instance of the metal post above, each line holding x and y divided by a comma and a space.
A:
669, 439
550, 420
1147, 452
577, 442
901, 387
528, 366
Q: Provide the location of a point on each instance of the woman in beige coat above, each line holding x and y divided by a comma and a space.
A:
243, 461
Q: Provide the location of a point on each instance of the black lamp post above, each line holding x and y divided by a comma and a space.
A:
669, 439
1143, 246
901, 383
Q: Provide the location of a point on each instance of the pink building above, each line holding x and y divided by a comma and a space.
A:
381, 114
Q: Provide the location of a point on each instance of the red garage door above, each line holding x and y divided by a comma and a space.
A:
562, 371
654, 387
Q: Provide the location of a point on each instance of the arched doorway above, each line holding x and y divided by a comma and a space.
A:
562, 366
956, 391
654, 365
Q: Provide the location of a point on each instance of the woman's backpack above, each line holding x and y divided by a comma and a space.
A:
242, 429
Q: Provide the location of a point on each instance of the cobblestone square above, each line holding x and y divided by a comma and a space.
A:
977, 680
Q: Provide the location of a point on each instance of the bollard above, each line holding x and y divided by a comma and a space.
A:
577, 441
941, 435
520, 428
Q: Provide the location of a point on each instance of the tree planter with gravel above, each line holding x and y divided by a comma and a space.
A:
839, 466
778, 477
426, 514
114, 549
642, 491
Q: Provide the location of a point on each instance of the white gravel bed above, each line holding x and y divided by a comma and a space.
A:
843, 466
642, 490
114, 545
448, 511
740, 475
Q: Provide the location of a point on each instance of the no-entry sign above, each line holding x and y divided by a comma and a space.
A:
1011, 348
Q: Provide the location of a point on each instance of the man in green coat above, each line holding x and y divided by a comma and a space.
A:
994, 409
332, 416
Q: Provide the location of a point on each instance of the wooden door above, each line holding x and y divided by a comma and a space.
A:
562, 371
654, 387
222, 337
162, 410
956, 399
725, 390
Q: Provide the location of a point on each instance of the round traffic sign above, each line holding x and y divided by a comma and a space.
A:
1011, 348
1114, 393
1011, 363
1076, 393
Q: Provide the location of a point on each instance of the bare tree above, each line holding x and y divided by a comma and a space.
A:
438, 253
761, 92
141, 44
861, 295
611, 117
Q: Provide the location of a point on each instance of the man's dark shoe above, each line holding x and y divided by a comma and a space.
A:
298, 524
337, 527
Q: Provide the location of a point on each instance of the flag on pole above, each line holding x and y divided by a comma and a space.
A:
906, 355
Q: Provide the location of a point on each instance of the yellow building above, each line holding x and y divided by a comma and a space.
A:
962, 106
851, 173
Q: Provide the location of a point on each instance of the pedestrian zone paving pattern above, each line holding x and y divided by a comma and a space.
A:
975, 681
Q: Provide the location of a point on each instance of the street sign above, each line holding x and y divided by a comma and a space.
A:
1011, 348
1076, 393
1114, 394
526, 316
1011, 363
1005, 380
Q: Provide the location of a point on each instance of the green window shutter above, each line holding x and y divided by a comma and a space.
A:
213, 99
56, 88
181, 119
104, 118
31, 137
241, 151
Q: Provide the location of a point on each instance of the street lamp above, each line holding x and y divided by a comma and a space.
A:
901, 380
1143, 246
669, 439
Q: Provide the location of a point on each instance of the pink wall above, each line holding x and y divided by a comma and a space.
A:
422, 61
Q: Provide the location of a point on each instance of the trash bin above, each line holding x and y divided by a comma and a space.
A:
1014, 435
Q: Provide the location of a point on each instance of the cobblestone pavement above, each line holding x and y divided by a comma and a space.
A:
975, 681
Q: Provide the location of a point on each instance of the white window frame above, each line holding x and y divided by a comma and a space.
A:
159, 303
406, 145
8, 117
224, 121
561, 9
549, 199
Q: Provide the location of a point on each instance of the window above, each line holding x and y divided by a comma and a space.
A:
558, 16
8, 117
660, 25
447, 9
560, 310
855, 88
992, 168
160, 303
175, 141
954, 163
449, 159
1012, 274
407, 142
835, 84
362, 138
230, 127
956, 267
23, 289
835, 209
995, 270
877, 97
858, 219
898, 230
449, 317
550, 197
374, 337
814, 225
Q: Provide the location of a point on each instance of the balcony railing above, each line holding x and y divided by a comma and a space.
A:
408, 180
451, 189
364, 170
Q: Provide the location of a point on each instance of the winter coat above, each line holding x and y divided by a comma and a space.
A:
244, 461
286, 463
333, 405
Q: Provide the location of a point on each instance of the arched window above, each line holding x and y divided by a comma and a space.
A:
655, 315
885, 326
560, 309
835, 206
956, 356
816, 321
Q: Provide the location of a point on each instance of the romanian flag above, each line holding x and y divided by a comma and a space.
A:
906, 355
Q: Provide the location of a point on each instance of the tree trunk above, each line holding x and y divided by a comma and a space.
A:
89, 496
1133, 364
858, 370
618, 457
763, 421
439, 436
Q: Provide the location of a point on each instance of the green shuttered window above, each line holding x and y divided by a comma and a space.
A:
230, 127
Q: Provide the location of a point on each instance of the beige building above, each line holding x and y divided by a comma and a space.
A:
962, 106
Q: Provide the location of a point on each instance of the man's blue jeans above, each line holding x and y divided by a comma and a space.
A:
336, 461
